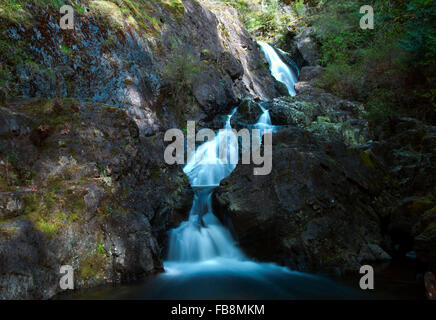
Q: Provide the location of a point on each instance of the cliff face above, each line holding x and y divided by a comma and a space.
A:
80, 187
83, 180
164, 61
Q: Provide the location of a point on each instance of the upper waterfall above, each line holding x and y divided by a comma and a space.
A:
278, 68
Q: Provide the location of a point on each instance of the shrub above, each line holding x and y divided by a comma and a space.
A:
391, 68
182, 71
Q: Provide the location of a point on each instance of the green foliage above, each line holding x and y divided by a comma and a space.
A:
264, 18
299, 8
182, 70
100, 249
390, 68
66, 49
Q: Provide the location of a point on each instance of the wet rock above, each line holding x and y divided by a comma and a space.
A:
92, 199
290, 52
23, 260
373, 252
430, 285
211, 95
39, 134
248, 113
13, 123
232, 66
425, 238
327, 116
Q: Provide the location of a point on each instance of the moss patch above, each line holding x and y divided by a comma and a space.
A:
416, 206
368, 159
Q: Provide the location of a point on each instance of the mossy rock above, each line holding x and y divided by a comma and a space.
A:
93, 266
416, 206
368, 159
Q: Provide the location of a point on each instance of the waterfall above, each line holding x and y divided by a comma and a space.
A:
204, 261
208, 167
203, 237
264, 121
278, 68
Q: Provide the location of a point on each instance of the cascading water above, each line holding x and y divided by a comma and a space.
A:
204, 261
278, 68
203, 237
208, 167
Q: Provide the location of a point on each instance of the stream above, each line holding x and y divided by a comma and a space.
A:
204, 260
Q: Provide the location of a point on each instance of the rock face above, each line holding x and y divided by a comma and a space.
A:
317, 210
91, 193
322, 207
126, 55
339, 194
83, 180
407, 147
307, 46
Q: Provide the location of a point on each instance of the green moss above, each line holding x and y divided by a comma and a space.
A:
38, 106
49, 228
430, 228
87, 272
32, 204
75, 204
101, 250
93, 265
4, 185
368, 159
174, 7
144, 16
50, 211
55, 183
155, 174
65, 49
79, 9
15, 12
108, 13
417, 206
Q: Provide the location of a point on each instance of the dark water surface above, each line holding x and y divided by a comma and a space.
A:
221, 279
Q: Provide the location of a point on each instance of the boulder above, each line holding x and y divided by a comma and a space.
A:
248, 113
311, 212
307, 46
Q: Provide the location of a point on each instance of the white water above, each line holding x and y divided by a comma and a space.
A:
264, 121
203, 237
208, 167
204, 261
278, 68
